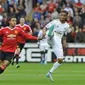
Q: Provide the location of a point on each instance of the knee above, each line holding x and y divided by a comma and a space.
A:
2, 68
60, 60
46, 51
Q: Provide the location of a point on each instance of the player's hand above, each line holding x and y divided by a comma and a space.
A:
40, 39
17, 51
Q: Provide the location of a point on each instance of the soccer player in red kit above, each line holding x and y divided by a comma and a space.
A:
9, 44
20, 40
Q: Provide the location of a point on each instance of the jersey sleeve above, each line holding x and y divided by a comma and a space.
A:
50, 24
27, 36
29, 28
68, 30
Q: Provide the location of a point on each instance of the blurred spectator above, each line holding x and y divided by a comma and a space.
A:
1, 19
69, 10
20, 12
82, 1
1, 8
55, 15
35, 32
21, 3
37, 8
77, 20
43, 7
83, 34
35, 24
70, 20
79, 36
78, 5
48, 17
61, 4
5, 21
71, 36
42, 21
11, 11
83, 15
51, 6
36, 15
4, 5
40, 1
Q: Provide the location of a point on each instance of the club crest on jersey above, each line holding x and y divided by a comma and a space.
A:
16, 32
11, 36
24, 28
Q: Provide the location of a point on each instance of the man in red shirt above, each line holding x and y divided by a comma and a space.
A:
51, 6
20, 40
9, 44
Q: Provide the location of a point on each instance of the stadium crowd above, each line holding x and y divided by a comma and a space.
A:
10, 8
46, 10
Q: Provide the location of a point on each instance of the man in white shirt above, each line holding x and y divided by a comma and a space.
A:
56, 30
43, 45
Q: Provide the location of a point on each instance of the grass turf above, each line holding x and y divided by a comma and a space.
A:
35, 74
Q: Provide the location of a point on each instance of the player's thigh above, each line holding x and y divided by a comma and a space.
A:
1, 57
58, 53
46, 46
8, 57
58, 50
41, 47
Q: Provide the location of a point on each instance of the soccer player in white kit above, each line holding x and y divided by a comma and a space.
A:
56, 29
43, 45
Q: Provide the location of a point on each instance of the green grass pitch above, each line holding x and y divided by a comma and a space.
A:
35, 74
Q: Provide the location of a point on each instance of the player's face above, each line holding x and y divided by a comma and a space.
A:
13, 22
22, 20
63, 17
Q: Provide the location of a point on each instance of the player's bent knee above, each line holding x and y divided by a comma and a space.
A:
2, 68
46, 51
60, 60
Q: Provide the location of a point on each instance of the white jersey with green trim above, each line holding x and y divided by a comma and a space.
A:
59, 28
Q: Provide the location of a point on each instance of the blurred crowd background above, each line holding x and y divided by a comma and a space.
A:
44, 11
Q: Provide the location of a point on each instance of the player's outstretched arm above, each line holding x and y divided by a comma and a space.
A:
27, 36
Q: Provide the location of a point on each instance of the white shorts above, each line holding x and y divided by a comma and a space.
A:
44, 47
57, 46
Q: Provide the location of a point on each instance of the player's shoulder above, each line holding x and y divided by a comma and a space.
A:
26, 25
55, 20
3, 28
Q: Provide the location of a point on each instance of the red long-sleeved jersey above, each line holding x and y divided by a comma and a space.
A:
9, 37
26, 29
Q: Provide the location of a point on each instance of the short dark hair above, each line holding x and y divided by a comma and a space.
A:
11, 17
64, 12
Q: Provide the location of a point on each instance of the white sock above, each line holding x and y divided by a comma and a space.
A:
55, 66
46, 58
